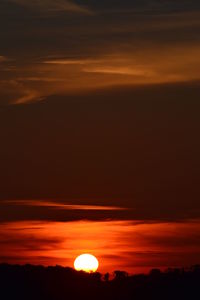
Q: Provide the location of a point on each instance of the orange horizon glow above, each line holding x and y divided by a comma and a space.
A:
126, 245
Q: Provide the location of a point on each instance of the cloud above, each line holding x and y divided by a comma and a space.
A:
2, 58
59, 205
170, 64
57, 210
53, 6
64, 76
72, 61
16, 92
103, 52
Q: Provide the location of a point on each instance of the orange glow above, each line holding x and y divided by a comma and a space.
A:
119, 245
86, 262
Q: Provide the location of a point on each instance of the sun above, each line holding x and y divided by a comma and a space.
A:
87, 263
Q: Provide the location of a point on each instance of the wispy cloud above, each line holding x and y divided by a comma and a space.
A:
66, 76
60, 210
54, 6
16, 92
2, 58
59, 205
130, 51
172, 64
72, 61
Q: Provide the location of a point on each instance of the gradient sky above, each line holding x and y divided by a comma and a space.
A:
99, 110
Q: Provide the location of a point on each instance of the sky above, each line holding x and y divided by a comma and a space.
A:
99, 127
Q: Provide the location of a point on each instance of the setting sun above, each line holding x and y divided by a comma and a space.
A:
86, 262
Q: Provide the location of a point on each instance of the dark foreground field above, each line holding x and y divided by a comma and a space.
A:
59, 283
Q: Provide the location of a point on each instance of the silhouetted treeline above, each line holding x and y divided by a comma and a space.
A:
58, 283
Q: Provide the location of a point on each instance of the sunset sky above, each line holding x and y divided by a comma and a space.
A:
99, 132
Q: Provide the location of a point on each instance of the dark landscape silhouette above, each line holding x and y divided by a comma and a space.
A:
59, 283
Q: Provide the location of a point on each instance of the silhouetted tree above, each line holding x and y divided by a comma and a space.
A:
120, 275
106, 277
58, 283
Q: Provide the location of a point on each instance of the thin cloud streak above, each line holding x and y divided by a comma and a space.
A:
53, 6
57, 205
2, 58
72, 61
